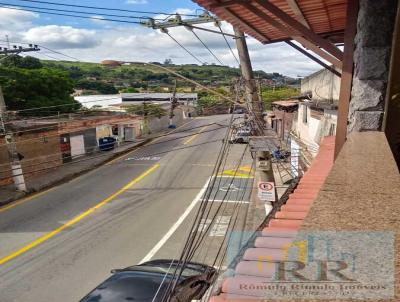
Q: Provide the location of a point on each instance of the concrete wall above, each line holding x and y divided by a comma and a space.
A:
373, 44
40, 151
322, 85
158, 124
319, 124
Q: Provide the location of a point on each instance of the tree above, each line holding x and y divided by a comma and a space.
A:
27, 62
168, 61
146, 110
36, 88
129, 90
274, 94
99, 86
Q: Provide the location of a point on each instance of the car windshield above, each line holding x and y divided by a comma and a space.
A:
129, 286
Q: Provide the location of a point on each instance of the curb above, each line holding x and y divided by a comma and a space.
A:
67, 178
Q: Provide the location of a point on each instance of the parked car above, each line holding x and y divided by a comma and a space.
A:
241, 136
149, 281
239, 111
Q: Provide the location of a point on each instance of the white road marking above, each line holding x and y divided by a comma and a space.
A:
175, 226
231, 201
221, 227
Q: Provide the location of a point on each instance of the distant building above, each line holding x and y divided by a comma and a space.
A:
317, 111
48, 143
186, 98
111, 63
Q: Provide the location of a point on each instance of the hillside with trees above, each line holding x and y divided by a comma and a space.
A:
28, 82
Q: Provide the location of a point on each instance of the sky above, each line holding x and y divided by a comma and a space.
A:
94, 39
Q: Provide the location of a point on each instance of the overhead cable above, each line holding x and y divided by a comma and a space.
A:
74, 11
9, 6
184, 48
107, 8
227, 43
205, 45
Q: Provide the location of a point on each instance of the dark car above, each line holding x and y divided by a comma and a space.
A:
150, 280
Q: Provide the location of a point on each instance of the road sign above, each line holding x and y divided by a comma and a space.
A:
266, 191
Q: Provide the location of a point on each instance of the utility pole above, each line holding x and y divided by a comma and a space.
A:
248, 75
174, 104
18, 49
14, 157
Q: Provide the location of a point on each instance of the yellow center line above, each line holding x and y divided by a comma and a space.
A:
194, 135
76, 219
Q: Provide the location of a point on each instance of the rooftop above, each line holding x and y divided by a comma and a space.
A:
157, 96
325, 17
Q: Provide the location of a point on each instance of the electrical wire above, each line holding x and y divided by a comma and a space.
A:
184, 48
101, 155
227, 43
106, 8
74, 11
93, 149
69, 15
205, 45
197, 218
58, 52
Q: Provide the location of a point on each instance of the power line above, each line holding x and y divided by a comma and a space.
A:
183, 47
106, 8
209, 50
69, 15
60, 53
45, 47
92, 149
76, 12
101, 155
227, 43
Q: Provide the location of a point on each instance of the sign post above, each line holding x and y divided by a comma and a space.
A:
266, 191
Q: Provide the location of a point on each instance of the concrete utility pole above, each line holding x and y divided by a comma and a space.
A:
247, 73
14, 157
174, 104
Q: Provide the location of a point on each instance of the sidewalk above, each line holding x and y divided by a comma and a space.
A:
69, 171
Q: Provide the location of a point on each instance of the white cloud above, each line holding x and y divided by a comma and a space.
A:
136, 1
141, 44
133, 43
62, 37
12, 21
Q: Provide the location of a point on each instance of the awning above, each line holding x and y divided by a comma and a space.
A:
316, 24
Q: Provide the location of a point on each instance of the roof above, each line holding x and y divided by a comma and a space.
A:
324, 17
149, 96
286, 103
250, 275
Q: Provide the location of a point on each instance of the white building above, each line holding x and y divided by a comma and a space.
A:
317, 112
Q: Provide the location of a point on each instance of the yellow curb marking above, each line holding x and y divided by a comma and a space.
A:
242, 172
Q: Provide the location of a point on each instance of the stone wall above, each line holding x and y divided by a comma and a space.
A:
373, 43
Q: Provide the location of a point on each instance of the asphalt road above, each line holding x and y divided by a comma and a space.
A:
59, 245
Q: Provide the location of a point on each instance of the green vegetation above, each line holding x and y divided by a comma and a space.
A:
207, 100
28, 82
97, 86
279, 93
28, 85
147, 110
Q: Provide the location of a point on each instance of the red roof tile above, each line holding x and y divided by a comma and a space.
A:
272, 244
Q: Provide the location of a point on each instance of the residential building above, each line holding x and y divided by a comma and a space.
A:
48, 143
